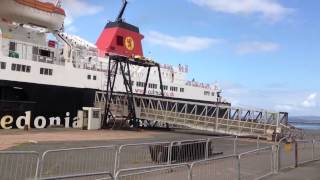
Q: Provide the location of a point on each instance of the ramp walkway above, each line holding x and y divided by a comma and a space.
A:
211, 117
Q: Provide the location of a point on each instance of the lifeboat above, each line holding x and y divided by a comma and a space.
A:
33, 12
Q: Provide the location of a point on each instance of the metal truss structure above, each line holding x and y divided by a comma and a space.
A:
122, 64
213, 117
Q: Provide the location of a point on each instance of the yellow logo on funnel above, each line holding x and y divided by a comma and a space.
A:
129, 42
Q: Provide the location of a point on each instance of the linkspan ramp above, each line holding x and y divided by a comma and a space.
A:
211, 117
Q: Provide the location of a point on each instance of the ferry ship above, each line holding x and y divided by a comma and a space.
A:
51, 73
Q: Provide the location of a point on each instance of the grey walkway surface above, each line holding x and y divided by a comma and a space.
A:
310, 171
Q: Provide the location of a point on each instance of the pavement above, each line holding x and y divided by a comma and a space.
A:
309, 171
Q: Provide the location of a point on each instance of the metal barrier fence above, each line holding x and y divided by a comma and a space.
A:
222, 168
263, 163
286, 156
78, 162
18, 165
214, 157
305, 151
317, 150
143, 155
166, 172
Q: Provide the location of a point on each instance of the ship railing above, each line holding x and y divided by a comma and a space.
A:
29, 51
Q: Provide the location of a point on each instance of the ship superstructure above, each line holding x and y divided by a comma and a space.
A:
57, 77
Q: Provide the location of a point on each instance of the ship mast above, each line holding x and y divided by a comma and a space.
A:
124, 5
58, 3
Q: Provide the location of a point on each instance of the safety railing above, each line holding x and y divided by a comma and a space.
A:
222, 168
78, 162
143, 155
305, 151
16, 165
257, 164
188, 159
164, 172
286, 155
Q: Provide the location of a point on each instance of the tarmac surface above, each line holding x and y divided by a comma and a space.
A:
310, 171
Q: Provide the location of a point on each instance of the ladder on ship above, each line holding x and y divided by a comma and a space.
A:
212, 117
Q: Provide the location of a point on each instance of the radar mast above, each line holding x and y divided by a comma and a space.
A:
123, 8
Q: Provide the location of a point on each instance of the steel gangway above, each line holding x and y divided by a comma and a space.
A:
211, 117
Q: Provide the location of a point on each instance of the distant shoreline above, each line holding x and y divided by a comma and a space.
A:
300, 122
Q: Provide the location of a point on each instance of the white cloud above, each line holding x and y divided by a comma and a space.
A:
182, 43
279, 99
256, 47
269, 9
78, 8
284, 107
310, 101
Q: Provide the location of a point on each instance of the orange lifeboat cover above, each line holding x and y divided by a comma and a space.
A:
43, 6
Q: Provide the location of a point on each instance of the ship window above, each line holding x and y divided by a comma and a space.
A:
46, 71
181, 89
13, 67
23, 68
50, 72
172, 88
12, 46
35, 50
28, 69
153, 86
3, 65
206, 93
18, 67
165, 87
140, 84
94, 77
45, 53
89, 77
119, 40
212, 93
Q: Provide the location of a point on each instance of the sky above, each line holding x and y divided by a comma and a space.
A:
263, 53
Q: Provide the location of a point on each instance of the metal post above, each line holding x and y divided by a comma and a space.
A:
274, 158
170, 153
117, 161
146, 83
207, 149
239, 166
160, 79
217, 116
313, 145
279, 153
296, 154
235, 146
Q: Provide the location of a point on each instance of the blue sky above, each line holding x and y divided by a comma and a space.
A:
263, 53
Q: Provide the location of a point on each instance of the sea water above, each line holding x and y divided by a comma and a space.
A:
307, 126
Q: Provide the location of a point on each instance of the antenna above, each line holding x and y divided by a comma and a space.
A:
58, 3
124, 5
